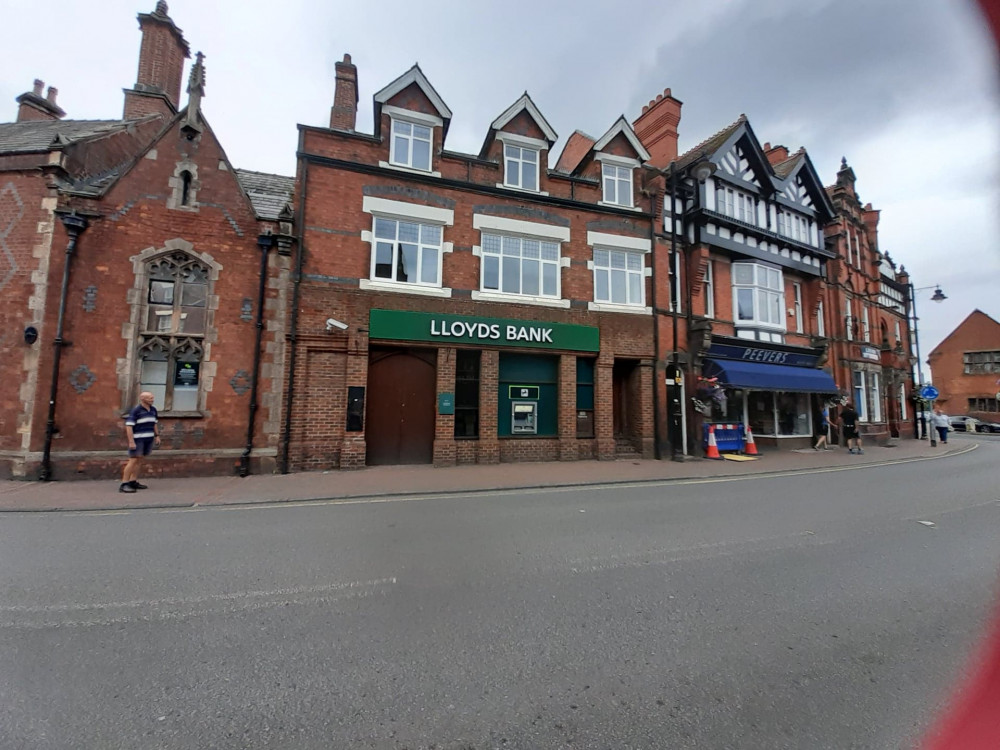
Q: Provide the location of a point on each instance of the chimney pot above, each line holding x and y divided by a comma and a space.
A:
656, 128
347, 58
51, 95
39, 85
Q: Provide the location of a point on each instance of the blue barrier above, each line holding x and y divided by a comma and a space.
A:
729, 436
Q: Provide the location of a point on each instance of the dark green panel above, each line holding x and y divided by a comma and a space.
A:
531, 370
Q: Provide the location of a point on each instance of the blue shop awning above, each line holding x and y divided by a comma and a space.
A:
764, 377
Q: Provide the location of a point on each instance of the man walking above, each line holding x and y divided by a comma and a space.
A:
142, 433
824, 428
940, 422
849, 428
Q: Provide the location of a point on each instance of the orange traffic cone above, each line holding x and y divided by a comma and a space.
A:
751, 447
713, 447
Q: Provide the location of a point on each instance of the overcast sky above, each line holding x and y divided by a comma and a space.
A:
905, 89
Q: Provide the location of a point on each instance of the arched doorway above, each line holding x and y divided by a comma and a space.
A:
399, 425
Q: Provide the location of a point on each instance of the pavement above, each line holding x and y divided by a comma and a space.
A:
387, 481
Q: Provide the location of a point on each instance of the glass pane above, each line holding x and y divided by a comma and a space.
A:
549, 286
153, 373
742, 273
776, 309
529, 176
773, 279
511, 152
625, 192
400, 127
744, 303
511, 172
195, 275
192, 320
609, 190
634, 261
491, 243
760, 412
762, 306
429, 265
159, 393
422, 132
602, 258
635, 289
491, 273
194, 295
618, 287
185, 398
617, 260
529, 155
530, 249
406, 263
159, 318
511, 275
601, 286
550, 251
402, 154
793, 413
383, 260
421, 154
530, 277
385, 229
511, 246
409, 232
161, 292
430, 234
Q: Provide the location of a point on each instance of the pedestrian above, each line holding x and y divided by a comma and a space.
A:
142, 433
824, 428
941, 423
849, 426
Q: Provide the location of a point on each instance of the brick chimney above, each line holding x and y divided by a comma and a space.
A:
657, 128
344, 112
33, 106
775, 154
161, 64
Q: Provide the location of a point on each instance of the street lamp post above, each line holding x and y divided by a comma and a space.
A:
921, 420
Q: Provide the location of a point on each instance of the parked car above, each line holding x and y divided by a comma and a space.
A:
961, 424
985, 426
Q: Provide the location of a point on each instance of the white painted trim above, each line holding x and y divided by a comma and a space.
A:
647, 272
619, 241
521, 299
523, 141
399, 209
618, 161
410, 115
564, 261
620, 206
590, 265
410, 170
521, 190
447, 247
414, 75
517, 226
611, 307
621, 126
381, 285
477, 251
525, 104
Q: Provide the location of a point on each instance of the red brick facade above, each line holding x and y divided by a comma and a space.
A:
966, 368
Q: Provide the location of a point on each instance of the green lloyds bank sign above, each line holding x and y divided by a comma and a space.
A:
401, 325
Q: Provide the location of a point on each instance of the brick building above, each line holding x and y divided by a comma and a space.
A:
866, 317
467, 308
965, 368
133, 256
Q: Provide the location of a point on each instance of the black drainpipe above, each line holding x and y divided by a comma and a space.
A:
293, 334
657, 453
74, 228
264, 243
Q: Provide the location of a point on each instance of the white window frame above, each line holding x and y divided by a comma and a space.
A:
866, 334
875, 392
632, 268
849, 319
773, 293
859, 389
820, 320
797, 288
520, 160
421, 244
620, 177
736, 204
899, 337
710, 289
902, 402
413, 123
508, 242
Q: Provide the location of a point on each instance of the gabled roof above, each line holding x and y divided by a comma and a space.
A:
578, 146
36, 136
786, 167
799, 164
268, 193
525, 104
711, 144
622, 127
413, 75
975, 313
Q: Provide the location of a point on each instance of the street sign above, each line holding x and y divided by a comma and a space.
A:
929, 392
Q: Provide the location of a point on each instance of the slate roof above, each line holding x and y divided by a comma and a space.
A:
784, 168
37, 135
711, 144
268, 193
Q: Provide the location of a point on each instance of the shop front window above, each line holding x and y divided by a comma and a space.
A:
781, 414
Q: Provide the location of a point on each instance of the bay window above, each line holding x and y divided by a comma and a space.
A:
759, 301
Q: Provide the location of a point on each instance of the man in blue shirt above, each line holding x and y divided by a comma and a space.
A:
142, 434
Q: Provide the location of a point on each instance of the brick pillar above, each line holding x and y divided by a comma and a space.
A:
604, 404
354, 448
645, 427
489, 376
444, 425
568, 450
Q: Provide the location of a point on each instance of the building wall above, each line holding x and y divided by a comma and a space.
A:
977, 333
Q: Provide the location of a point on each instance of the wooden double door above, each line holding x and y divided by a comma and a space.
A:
400, 419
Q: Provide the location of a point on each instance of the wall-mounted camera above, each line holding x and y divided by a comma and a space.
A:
332, 324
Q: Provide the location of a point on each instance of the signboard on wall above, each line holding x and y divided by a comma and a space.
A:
870, 352
439, 328
758, 352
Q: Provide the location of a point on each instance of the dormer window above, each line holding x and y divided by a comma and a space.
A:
411, 145
617, 185
520, 167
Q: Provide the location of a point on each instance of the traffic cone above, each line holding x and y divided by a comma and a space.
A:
750, 449
713, 447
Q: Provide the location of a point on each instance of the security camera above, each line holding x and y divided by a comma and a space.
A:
332, 323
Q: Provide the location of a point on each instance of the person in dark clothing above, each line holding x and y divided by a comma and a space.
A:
849, 426
823, 428
142, 433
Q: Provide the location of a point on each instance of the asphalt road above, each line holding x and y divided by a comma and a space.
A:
810, 611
